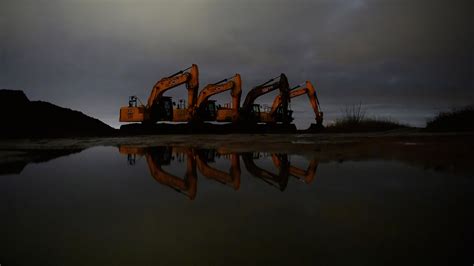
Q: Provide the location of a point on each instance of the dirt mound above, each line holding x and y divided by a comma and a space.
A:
24, 118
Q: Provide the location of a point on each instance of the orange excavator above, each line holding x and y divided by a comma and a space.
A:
159, 107
251, 112
206, 109
279, 180
306, 176
299, 90
160, 156
232, 178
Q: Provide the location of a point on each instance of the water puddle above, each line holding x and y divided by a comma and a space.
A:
133, 205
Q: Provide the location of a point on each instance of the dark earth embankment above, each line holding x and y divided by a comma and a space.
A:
22, 118
205, 128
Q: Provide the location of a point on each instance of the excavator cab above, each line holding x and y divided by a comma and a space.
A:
163, 111
208, 111
161, 155
255, 112
279, 115
208, 155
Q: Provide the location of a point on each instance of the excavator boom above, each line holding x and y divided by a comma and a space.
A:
191, 79
265, 88
309, 90
233, 84
252, 112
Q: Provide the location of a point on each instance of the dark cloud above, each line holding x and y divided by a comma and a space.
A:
91, 55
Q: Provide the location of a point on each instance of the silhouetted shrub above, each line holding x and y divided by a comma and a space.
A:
455, 120
355, 120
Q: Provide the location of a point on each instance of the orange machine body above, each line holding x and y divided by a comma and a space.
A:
160, 108
223, 114
134, 114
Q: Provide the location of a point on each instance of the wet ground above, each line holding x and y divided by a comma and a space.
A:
374, 199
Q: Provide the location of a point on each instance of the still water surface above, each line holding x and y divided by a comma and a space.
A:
184, 206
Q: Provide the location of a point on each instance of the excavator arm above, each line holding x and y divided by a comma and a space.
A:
233, 84
306, 176
156, 157
189, 76
186, 185
279, 180
232, 178
299, 90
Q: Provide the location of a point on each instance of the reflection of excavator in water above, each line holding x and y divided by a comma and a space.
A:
306, 176
251, 112
159, 107
160, 156
299, 90
157, 157
232, 178
279, 180
207, 110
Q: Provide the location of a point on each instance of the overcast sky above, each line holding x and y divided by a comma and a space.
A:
400, 58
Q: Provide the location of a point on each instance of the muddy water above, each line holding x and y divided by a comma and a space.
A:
166, 205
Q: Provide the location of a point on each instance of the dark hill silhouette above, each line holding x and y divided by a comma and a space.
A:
24, 118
